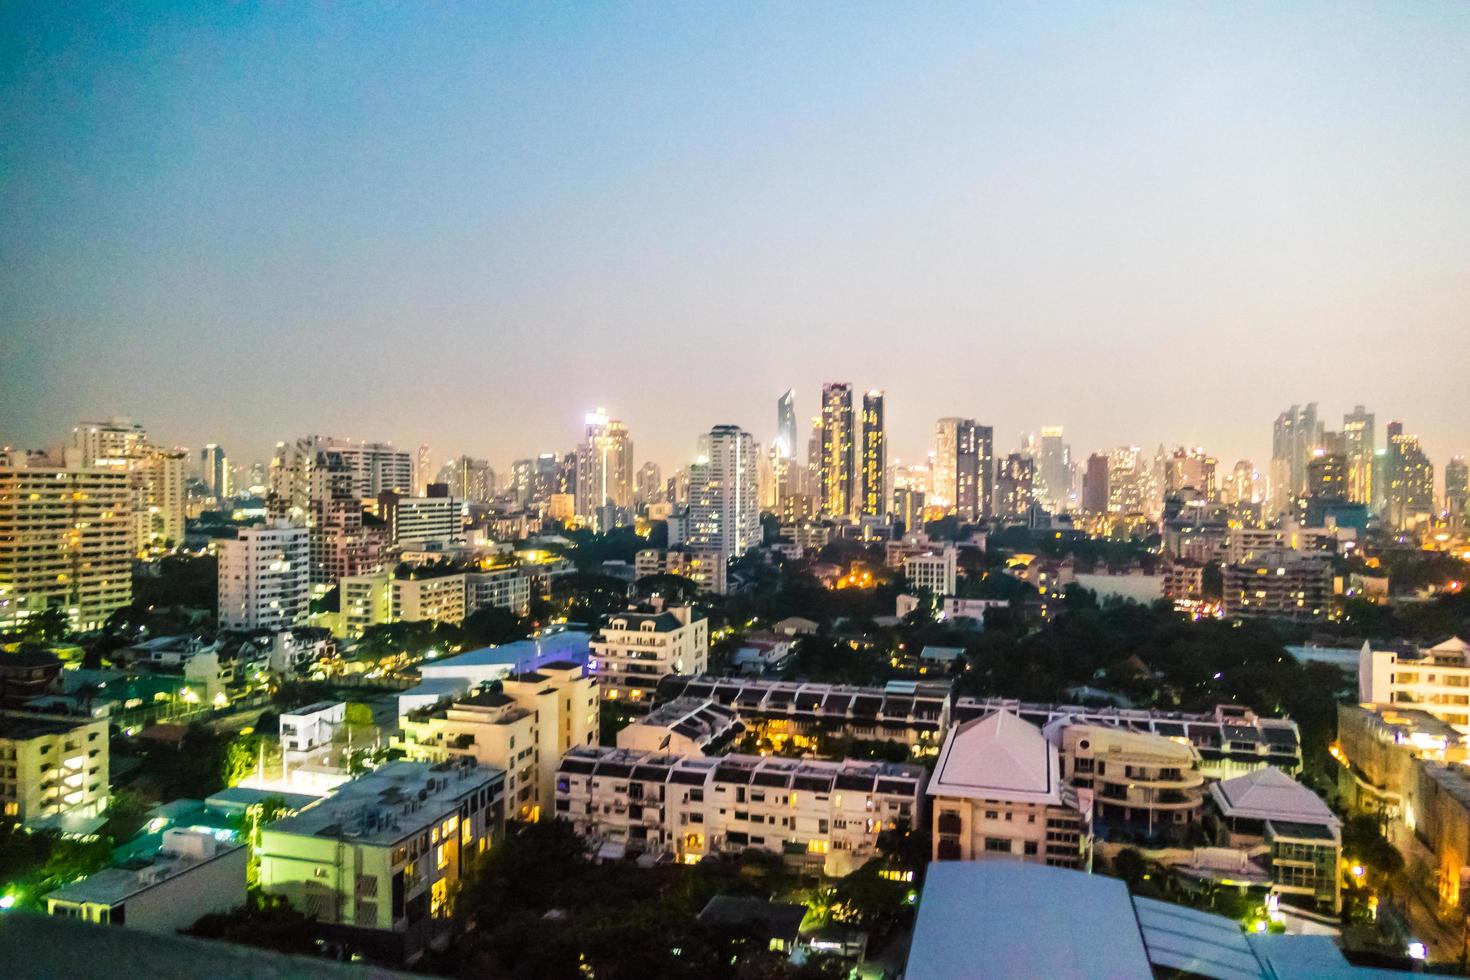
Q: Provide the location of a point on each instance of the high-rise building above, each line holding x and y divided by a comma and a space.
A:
423, 468
944, 474
605, 472
1192, 469
1327, 476
724, 514
873, 499
1054, 470
650, 484
376, 468
1410, 490
786, 425
214, 470
1130, 481
1296, 435
264, 578
1245, 483
66, 540
1457, 491
1359, 445
155, 477
1016, 485
313, 485
1095, 490
963, 467
837, 449
469, 479
985, 470
427, 521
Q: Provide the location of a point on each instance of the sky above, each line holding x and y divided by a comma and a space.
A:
470, 224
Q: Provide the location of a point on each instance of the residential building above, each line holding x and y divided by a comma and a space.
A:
214, 469
1379, 749
1302, 836
53, 771
1054, 471
836, 471
804, 714
724, 515
706, 567
316, 483
66, 540
684, 726
1141, 783
1283, 585
997, 791
1457, 491
264, 577
503, 588
1358, 435
1015, 487
935, 571
963, 467
1230, 741
1434, 679
873, 498
824, 816
650, 488
313, 726
1095, 490
155, 478
376, 863
421, 595
1296, 435
365, 600
195, 873
423, 520
469, 479
522, 729
634, 650
1184, 580
376, 468
1409, 490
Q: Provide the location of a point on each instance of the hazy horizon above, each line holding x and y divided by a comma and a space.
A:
469, 225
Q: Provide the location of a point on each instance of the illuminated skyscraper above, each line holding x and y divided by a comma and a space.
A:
1296, 435
1053, 470
835, 477
214, 470
650, 484
423, 470
1410, 490
786, 425
874, 499
1359, 445
943, 490
1457, 491
724, 515
1016, 485
605, 473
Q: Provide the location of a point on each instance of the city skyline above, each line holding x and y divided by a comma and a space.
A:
1057, 215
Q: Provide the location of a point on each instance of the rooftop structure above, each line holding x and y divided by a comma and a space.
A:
684, 726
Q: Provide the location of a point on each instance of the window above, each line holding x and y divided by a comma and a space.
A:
1029, 848
998, 845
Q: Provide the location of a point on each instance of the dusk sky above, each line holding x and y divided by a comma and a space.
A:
468, 225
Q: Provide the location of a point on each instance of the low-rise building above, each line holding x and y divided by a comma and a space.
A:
1141, 783
1377, 750
803, 715
308, 728
376, 863
1303, 838
706, 567
998, 792
684, 726
934, 571
1435, 680
761, 653
1280, 585
825, 816
634, 650
53, 771
195, 873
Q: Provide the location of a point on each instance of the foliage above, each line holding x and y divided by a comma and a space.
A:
179, 580
244, 754
264, 921
357, 715
587, 597
1363, 843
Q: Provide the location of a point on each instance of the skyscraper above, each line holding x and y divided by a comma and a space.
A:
1016, 485
1054, 470
873, 500
376, 468
1095, 489
943, 489
214, 470
724, 515
1457, 491
313, 485
155, 476
423, 470
1410, 490
835, 477
1296, 435
984, 471
1359, 445
650, 484
605, 472
964, 467
786, 425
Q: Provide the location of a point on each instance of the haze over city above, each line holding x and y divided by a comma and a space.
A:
467, 227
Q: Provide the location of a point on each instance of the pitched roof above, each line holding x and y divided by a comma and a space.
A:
998, 757
1270, 794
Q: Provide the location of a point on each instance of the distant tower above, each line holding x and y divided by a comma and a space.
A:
873, 500
837, 438
786, 425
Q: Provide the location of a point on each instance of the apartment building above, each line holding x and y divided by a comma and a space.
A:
313, 726
684, 726
439, 598
825, 816
155, 478
53, 771
1434, 679
634, 650
504, 588
376, 863
66, 540
998, 792
385, 597
1279, 585
195, 873
933, 571
802, 715
1231, 740
1302, 837
706, 567
1141, 783
264, 578
1379, 749
522, 729
423, 520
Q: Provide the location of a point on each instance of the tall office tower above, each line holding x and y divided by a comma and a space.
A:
155, 475
650, 484
566, 474
1296, 435
214, 470
1053, 470
1410, 490
313, 485
66, 539
264, 578
1095, 490
873, 497
1359, 445
1193, 469
963, 467
376, 468
468, 479
543, 485
942, 489
423, 469
1327, 476
786, 425
1245, 484
605, 472
676, 487
985, 470
908, 508
724, 515
837, 448
1016, 485
968, 485
1130, 481
1457, 491
522, 481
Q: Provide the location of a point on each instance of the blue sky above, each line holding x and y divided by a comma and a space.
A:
469, 224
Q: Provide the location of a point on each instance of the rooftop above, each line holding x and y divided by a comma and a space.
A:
566, 646
998, 757
1270, 794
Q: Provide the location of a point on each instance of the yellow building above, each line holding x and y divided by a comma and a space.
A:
53, 770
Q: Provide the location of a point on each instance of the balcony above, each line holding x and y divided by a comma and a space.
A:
950, 823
